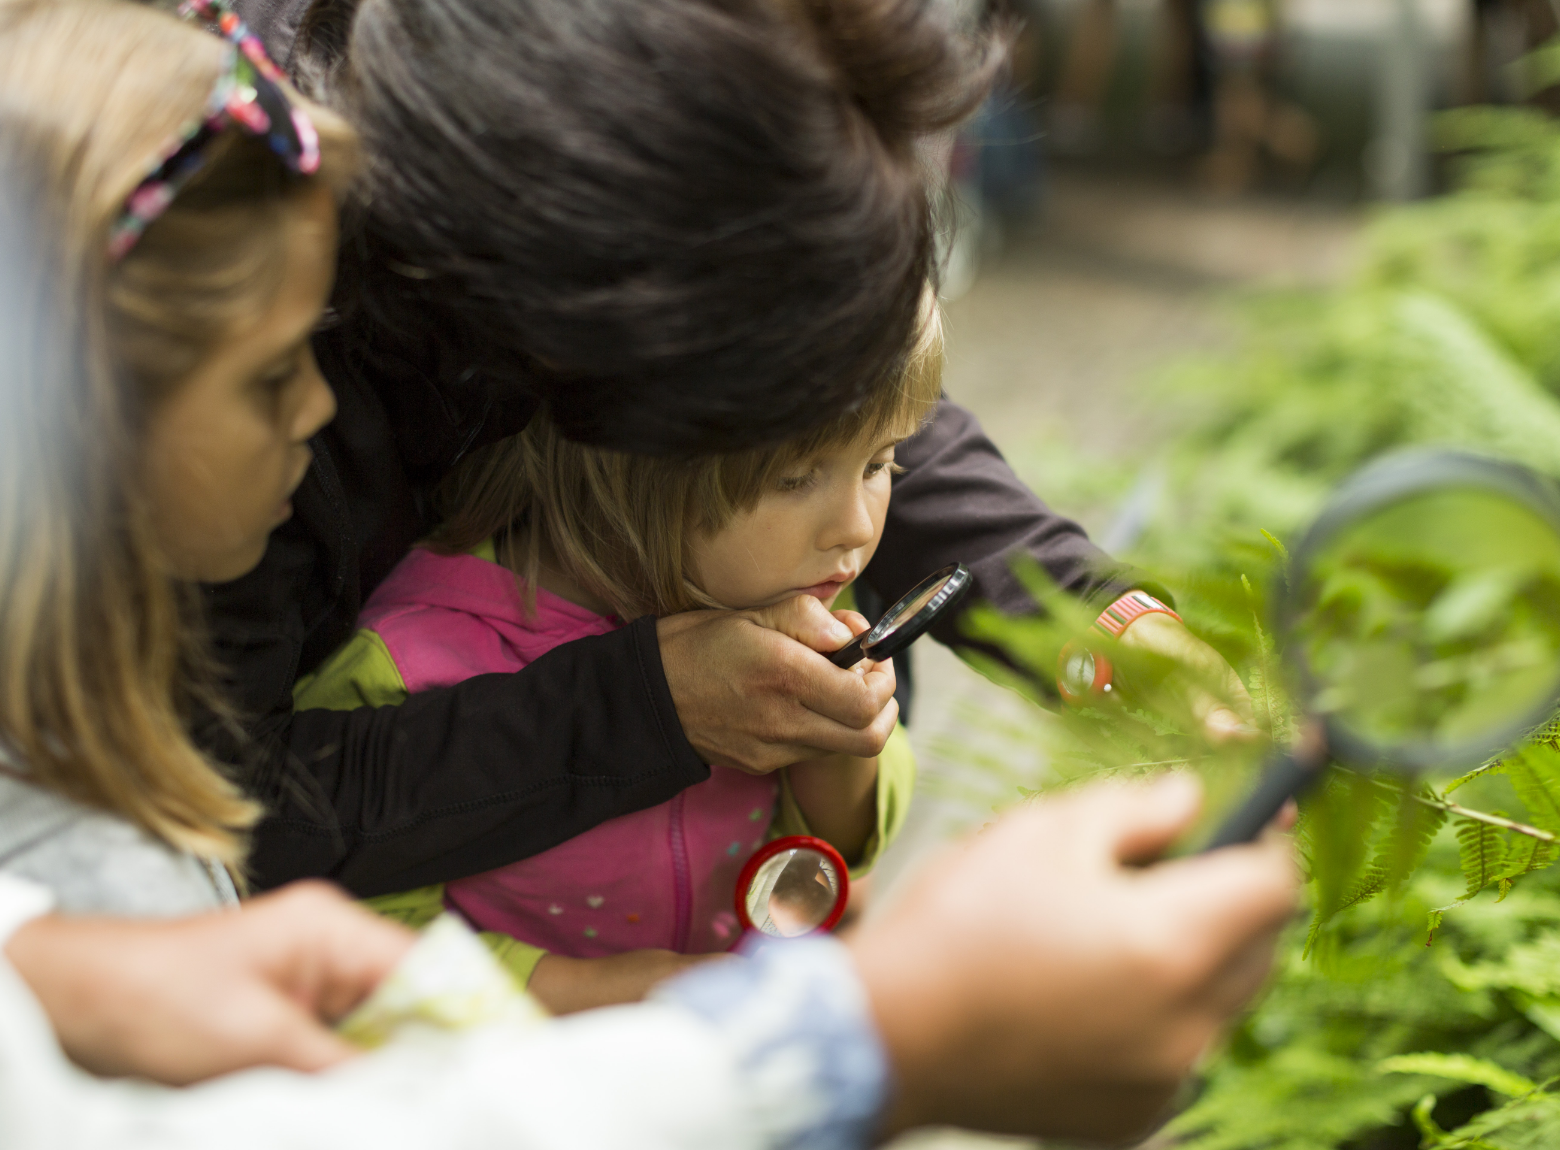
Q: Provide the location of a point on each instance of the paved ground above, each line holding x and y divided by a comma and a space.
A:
1051, 343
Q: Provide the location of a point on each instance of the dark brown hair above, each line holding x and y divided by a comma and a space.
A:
685, 225
622, 524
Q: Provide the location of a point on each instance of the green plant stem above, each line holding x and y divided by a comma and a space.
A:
1477, 816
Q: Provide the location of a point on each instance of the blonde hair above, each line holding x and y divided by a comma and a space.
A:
621, 525
101, 667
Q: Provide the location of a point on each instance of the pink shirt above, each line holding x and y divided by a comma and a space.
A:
662, 877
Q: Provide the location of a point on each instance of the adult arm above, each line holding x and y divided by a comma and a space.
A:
463, 779
958, 501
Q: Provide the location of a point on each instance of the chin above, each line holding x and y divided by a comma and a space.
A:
230, 567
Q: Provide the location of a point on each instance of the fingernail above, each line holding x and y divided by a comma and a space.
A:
840, 633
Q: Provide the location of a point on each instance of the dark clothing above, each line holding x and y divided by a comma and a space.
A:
500, 767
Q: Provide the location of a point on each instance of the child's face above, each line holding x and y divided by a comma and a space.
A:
227, 449
811, 534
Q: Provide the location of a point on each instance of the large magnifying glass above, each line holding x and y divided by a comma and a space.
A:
907, 620
1420, 623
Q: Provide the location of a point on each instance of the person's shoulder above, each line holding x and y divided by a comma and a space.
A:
94, 861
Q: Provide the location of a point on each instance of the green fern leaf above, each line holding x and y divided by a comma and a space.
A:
1483, 853
1534, 772
1461, 1068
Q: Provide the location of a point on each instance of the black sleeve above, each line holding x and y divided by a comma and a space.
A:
958, 501
466, 778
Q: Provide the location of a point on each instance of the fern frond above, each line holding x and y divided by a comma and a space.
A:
1482, 851
1461, 1068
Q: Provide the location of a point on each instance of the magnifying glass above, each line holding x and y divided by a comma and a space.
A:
793, 886
1420, 623
907, 620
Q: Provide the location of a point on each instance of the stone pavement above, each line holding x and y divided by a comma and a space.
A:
1051, 343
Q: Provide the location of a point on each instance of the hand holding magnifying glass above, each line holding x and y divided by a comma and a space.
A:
798, 884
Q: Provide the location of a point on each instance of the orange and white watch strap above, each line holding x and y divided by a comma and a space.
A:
1084, 674
1128, 608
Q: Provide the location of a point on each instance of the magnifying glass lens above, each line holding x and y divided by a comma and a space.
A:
1432, 620
908, 619
794, 892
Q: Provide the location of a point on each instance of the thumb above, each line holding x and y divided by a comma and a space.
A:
300, 1042
1149, 818
806, 620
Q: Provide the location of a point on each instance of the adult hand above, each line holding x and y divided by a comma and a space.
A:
1034, 981
1202, 682
753, 693
183, 1000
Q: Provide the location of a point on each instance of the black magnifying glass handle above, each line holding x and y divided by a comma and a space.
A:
1286, 776
850, 654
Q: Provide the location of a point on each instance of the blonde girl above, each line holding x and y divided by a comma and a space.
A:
186, 199
545, 541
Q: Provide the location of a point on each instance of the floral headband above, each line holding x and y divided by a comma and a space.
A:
247, 96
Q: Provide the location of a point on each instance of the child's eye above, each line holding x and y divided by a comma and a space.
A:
790, 483
878, 466
277, 381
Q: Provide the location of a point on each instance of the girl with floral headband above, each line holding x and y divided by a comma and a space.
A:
190, 198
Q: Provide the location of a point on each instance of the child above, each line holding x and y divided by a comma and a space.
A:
190, 203
546, 542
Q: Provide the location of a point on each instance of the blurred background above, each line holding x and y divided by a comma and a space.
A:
1206, 256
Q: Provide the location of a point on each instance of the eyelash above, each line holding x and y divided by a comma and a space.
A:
277, 383
791, 484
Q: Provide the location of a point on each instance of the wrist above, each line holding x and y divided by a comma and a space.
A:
801, 1030
1085, 673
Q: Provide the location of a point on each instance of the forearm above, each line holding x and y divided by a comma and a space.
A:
958, 501
471, 777
837, 795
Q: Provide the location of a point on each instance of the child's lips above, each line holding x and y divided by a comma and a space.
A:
828, 588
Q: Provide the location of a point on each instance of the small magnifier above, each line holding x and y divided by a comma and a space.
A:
1419, 622
907, 620
793, 886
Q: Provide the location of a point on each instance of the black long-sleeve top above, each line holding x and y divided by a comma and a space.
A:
500, 767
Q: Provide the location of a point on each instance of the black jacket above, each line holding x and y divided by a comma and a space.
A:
466, 778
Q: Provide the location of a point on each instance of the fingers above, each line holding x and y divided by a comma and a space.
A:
808, 621
817, 735
1142, 821
300, 1042
329, 952
854, 699
855, 620
1228, 906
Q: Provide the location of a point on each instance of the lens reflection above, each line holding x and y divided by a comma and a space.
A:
793, 893
1433, 620
906, 610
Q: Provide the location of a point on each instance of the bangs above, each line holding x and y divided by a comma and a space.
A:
893, 411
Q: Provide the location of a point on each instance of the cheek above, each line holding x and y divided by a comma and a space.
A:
750, 561
214, 480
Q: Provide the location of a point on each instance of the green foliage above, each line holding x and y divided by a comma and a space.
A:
1420, 1004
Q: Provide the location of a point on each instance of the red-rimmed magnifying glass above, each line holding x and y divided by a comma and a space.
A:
793, 886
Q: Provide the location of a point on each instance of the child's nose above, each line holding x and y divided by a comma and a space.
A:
851, 526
